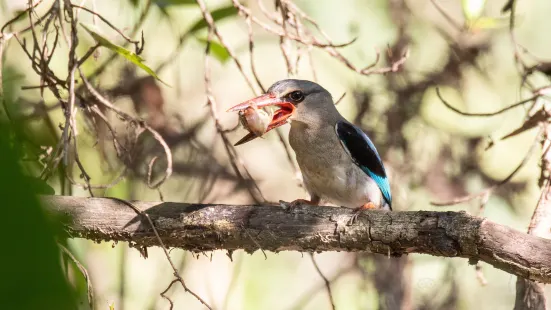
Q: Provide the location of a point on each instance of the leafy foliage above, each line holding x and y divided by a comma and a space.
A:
132, 57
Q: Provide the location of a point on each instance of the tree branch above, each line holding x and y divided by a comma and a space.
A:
206, 227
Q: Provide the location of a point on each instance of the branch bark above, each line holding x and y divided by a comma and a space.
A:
209, 227
531, 295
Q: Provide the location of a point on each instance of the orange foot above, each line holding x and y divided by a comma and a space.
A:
368, 206
297, 202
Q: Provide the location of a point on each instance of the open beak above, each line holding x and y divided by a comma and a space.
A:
279, 118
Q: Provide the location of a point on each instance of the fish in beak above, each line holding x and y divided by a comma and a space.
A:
257, 121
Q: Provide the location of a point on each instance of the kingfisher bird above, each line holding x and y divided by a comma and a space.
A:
338, 161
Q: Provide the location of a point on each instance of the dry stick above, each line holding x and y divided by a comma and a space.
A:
163, 294
286, 146
284, 41
134, 31
116, 144
327, 283
70, 112
102, 100
256, 194
307, 297
136, 43
531, 295
46, 75
142, 124
340, 98
329, 48
9, 22
251, 54
246, 12
303, 15
168, 154
514, 105
85, 274
450, 19
312, 65
212, 27
487, 192
176, 274
512, 36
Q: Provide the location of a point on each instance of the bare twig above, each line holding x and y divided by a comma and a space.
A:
18, 16
487, 192
138, 44
514, 105
327, 283
212, 28
235, 160
161, 243
531, 295
84, 272
307, 296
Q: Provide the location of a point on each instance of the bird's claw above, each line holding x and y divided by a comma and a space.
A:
288, 206
357, 211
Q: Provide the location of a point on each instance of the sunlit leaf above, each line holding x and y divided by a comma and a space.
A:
131, 56
217, 50
487, 23
217, 15
472, 9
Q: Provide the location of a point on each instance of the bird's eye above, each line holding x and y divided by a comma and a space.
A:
296, 96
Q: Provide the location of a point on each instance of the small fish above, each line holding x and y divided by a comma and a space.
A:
255, 120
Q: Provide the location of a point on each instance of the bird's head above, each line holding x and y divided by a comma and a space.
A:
297, 100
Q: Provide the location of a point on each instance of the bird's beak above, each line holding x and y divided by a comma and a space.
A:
279, 118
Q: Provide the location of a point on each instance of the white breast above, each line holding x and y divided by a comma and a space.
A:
328, 170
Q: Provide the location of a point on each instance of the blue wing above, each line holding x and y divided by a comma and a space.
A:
364, 154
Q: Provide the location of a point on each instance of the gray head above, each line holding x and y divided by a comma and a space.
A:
313, 103
299, 101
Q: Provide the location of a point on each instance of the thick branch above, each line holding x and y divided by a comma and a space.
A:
308, 228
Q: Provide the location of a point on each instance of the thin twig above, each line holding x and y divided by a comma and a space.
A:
485, 193
106, 21
255, 192
212, 27
90, 288
514, 105
327, 283
176, 274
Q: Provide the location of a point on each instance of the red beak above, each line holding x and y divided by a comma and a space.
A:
279, 118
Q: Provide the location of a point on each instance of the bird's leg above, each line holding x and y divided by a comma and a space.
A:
367, 206
314, 200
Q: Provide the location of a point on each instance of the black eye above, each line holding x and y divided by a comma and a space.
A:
296, 96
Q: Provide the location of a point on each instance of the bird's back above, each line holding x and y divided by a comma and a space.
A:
327, 169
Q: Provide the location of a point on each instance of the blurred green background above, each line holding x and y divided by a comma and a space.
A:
432, 153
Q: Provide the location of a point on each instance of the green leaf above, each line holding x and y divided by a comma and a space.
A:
38, 186
486, 23
32, 253
217, 15
131, 56
217, 50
